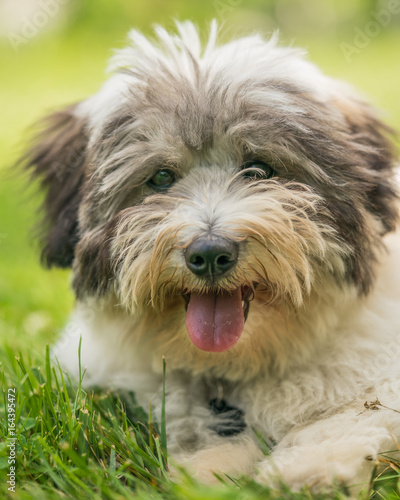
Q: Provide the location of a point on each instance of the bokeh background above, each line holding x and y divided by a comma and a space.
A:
54, 52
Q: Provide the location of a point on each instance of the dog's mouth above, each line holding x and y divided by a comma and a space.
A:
215, 321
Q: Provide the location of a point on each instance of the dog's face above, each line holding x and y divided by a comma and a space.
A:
199, 181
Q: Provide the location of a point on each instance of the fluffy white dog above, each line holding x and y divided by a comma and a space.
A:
225, 207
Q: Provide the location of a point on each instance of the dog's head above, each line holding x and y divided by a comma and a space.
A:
210, 177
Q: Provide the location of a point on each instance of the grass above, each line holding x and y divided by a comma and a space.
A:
71, 443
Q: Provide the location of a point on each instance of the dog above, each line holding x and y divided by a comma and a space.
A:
227, 208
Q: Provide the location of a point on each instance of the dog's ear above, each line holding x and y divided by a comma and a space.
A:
57, 159
376, 158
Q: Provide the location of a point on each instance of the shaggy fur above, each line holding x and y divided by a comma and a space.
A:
319, 291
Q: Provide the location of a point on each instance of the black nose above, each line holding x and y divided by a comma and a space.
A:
211, 257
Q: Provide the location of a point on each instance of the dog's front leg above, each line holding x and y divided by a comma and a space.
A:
204, 437
234, 457
342, 448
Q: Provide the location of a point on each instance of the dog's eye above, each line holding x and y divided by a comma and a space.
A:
254, 169
162, 180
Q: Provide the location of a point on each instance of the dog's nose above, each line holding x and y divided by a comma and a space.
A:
211, 256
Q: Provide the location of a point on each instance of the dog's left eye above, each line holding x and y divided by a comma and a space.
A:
254, 169
163, 179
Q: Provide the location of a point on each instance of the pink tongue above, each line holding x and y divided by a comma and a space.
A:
215, 321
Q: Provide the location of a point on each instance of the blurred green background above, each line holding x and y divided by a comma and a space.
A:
54, 52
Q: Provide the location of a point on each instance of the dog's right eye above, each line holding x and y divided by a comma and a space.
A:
163, 179
255, 169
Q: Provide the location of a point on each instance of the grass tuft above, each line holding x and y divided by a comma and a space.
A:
79, 444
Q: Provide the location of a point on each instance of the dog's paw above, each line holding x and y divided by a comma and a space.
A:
235, 459
318, 467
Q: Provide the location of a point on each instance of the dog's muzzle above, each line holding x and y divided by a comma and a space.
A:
215, 321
